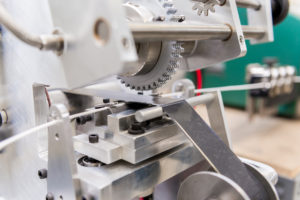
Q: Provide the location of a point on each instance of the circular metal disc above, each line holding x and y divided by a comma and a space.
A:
210, 186
269, 187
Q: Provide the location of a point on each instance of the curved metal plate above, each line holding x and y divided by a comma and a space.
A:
210, 185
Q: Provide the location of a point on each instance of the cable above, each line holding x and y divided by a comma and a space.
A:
253, 86
43, 42
199, 80
92, 111
24, 134
35, 129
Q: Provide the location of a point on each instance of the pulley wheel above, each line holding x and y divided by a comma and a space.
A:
210, 186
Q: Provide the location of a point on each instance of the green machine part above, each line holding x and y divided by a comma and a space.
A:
286, 48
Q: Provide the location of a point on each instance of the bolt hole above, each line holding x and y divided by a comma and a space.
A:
125, 43
101, 31
56, 136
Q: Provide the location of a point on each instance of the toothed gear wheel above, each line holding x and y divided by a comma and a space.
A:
166, 65
206, 6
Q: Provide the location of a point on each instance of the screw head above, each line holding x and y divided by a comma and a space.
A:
43, 173
106, 100
93, 138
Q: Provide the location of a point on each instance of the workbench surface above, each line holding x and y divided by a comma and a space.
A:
271, 140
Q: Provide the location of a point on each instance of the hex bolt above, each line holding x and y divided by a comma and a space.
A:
49, 196
136, 128
43, 173
93, 138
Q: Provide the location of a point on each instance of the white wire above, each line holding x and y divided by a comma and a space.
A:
24, 134
253, 86
33, 130
92, 111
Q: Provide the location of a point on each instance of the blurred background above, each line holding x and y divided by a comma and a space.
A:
271, 134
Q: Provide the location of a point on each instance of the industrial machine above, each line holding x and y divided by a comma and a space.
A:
83, 114
283, 51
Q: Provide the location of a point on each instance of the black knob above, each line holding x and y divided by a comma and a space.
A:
280, 9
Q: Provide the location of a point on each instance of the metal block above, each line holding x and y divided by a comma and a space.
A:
262, 18
103, 151
135, 156
120, 122
91, 28
129, 181
62, 170
152, 136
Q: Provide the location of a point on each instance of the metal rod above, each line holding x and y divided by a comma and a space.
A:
185, 32
155, 112
43, 42
182, 32
248, 4
253, 32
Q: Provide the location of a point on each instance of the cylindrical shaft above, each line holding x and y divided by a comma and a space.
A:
248, 4
155, 112
253, 32
182, 32
185, 32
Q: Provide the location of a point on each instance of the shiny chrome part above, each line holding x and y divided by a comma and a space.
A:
147, 114
210, 185
155, 112
182, 32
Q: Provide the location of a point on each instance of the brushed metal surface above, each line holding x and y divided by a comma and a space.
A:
24, 66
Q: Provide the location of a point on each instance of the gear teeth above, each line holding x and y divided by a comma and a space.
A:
204, 6
174, 60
